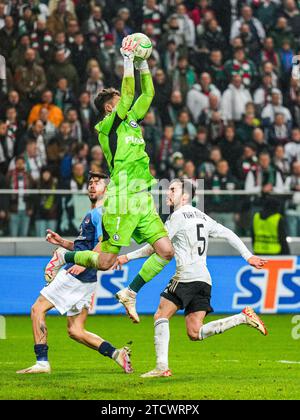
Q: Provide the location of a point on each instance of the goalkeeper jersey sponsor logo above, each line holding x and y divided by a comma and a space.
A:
134, 140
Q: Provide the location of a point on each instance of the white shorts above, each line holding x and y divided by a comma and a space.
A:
68, 294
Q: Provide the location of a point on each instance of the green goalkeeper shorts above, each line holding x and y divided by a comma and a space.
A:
130, 216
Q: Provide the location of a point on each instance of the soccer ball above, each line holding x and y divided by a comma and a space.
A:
144, 49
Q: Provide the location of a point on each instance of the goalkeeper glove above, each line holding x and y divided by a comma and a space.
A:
128, 48
141, 65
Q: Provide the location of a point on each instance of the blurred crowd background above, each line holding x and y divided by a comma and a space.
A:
226, 109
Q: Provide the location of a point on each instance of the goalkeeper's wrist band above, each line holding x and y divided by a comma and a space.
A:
143, 67
128, 67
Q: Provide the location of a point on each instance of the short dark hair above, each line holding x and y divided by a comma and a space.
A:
103, 97
99, 175
188, 187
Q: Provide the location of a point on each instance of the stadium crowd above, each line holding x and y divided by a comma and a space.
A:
226, 109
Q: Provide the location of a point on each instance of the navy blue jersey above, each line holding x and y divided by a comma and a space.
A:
89, 234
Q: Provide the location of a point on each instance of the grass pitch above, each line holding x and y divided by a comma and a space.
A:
240, 364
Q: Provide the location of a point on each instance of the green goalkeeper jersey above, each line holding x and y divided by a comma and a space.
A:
122, 142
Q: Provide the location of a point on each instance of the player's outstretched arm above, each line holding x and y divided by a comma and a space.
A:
143, 252
55, 239
220, 231
143, 102
128, 82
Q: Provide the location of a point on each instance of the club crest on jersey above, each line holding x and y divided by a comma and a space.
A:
133, 124
87, 220
116, 237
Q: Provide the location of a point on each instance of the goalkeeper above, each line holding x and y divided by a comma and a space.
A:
129, 210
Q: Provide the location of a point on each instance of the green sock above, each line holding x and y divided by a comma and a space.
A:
150, 269
137, 283
87, 259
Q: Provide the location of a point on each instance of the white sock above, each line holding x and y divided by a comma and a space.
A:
221, 325
42, 363
161, 341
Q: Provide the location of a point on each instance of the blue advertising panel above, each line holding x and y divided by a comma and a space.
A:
235, 285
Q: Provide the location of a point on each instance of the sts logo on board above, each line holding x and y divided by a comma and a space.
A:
276, 288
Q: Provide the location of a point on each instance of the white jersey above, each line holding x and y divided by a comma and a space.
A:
189, 230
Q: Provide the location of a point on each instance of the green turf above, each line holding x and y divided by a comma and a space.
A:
240, 364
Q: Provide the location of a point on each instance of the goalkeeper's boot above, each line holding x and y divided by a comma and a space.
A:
254, 320
55, 264
39, 367
122, 358
157, 373
128, 300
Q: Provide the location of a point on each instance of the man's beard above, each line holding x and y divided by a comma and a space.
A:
93, 200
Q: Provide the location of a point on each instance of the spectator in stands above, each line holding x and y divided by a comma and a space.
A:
55, 114
87, 116
198, 96
175, 106
152, 14
292, 183
41, 40
30, 79
59, 18
279, 132
163, 90
281, 32
275, 107
245, 130
213, 37
231, 148
8, 37
198, 151
242, 66
291, 12
63, 96
270, 54
63, 68
76, 129
20, 206
259, 141
292, 149
184, 132
184, 76
216, 69
80, 55
266, 178
14, 132
165, 150
221, 207
18, 55
45, 205
280, 162
208, 168
70, 204
58, 146
94, 83
234, 100
263, 94
247, 162
257, 28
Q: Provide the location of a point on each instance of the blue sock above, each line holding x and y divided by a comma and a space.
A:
41, 352
106, 349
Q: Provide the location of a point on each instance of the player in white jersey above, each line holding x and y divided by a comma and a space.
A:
190, 288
